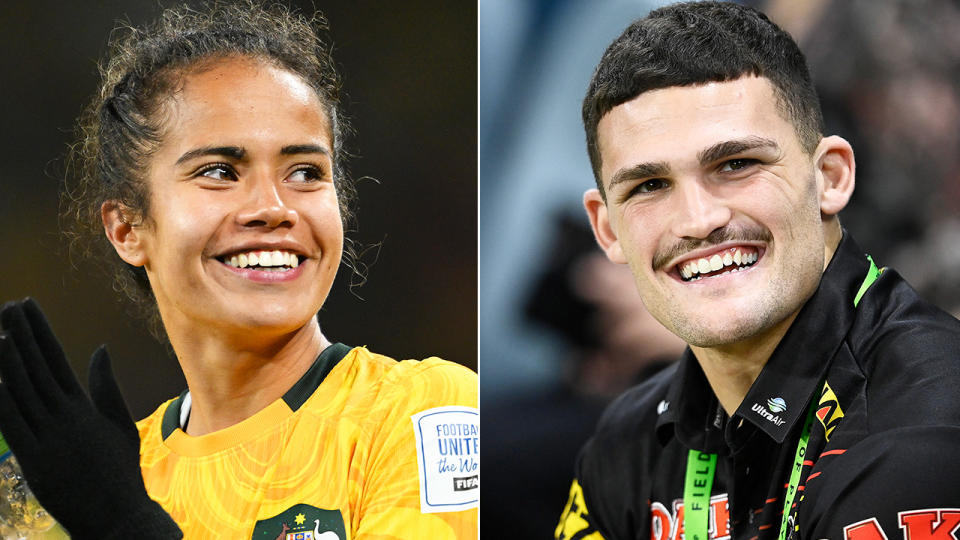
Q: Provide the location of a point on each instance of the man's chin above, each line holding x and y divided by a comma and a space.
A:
712, 336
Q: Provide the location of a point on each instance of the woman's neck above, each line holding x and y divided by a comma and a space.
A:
232, 377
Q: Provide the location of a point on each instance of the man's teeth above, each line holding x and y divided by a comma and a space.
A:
737, 260
265, 259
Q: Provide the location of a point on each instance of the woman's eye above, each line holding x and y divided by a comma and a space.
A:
306, 175
737, 164
219, 172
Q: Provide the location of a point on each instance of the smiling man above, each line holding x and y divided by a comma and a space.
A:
817, 398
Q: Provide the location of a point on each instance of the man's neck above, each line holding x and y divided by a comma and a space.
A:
732, 369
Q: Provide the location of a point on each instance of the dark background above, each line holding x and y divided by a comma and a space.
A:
409, 72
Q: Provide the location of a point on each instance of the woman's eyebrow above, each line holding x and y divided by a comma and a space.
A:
237, 152
304, 149
234, 152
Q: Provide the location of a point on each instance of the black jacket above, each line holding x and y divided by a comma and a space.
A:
883, 459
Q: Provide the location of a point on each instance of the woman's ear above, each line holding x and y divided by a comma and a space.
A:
122, 233
836, 167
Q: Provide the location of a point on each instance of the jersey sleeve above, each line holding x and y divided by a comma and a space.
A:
423, 467
900, 483
576, 522
583, 515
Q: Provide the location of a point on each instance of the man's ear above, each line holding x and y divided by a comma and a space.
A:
835, 164
126, 238
600, 222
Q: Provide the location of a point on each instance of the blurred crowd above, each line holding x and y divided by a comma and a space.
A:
888, 75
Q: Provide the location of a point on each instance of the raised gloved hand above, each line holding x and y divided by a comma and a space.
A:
80, 456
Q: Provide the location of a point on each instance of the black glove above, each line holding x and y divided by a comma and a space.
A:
81, 457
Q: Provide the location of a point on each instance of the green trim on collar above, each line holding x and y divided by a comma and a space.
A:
872, 276
305, 387
294, 398
171, 416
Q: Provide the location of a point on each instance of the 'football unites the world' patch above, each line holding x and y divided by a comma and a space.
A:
448, 458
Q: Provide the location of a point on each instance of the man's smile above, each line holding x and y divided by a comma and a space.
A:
733, 259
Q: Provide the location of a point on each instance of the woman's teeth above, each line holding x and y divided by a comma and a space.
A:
271, 261
698, 268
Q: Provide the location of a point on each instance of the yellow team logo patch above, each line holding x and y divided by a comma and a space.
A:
828, 411
574, 521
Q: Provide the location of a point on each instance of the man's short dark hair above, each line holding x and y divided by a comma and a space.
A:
695, 43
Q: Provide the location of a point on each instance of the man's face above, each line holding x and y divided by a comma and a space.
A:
715, 206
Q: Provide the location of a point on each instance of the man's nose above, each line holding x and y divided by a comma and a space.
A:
698, 211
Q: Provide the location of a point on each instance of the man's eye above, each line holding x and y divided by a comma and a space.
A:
650, 186
647, 186
306, 175
218, 172
737, 164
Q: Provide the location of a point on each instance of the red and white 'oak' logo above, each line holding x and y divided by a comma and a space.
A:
666, 525
926, 524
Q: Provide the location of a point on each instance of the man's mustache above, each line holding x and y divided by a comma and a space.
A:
716, 237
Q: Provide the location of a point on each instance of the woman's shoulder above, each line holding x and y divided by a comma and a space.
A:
410, 370
150, 426
417, 383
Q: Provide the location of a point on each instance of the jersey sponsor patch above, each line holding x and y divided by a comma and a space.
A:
767, 415
448, 458
302, 522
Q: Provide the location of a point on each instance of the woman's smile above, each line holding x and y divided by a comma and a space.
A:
264, 266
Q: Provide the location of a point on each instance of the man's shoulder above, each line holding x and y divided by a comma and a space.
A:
631, 419
909, 353
877, 487
613, 476
893, 314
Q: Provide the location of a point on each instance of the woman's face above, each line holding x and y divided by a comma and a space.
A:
243, 232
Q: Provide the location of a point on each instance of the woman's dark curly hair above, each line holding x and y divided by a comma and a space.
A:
123, 125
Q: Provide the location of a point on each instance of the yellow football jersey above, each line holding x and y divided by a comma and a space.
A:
362, 447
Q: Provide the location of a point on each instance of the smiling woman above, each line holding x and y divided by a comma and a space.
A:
212, 159
245, 168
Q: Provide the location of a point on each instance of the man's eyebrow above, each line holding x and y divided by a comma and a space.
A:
234, 152
705, 157
728, 148
640, 170
304, 149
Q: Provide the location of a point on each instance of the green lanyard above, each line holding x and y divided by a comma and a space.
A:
701, 466
798, 465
